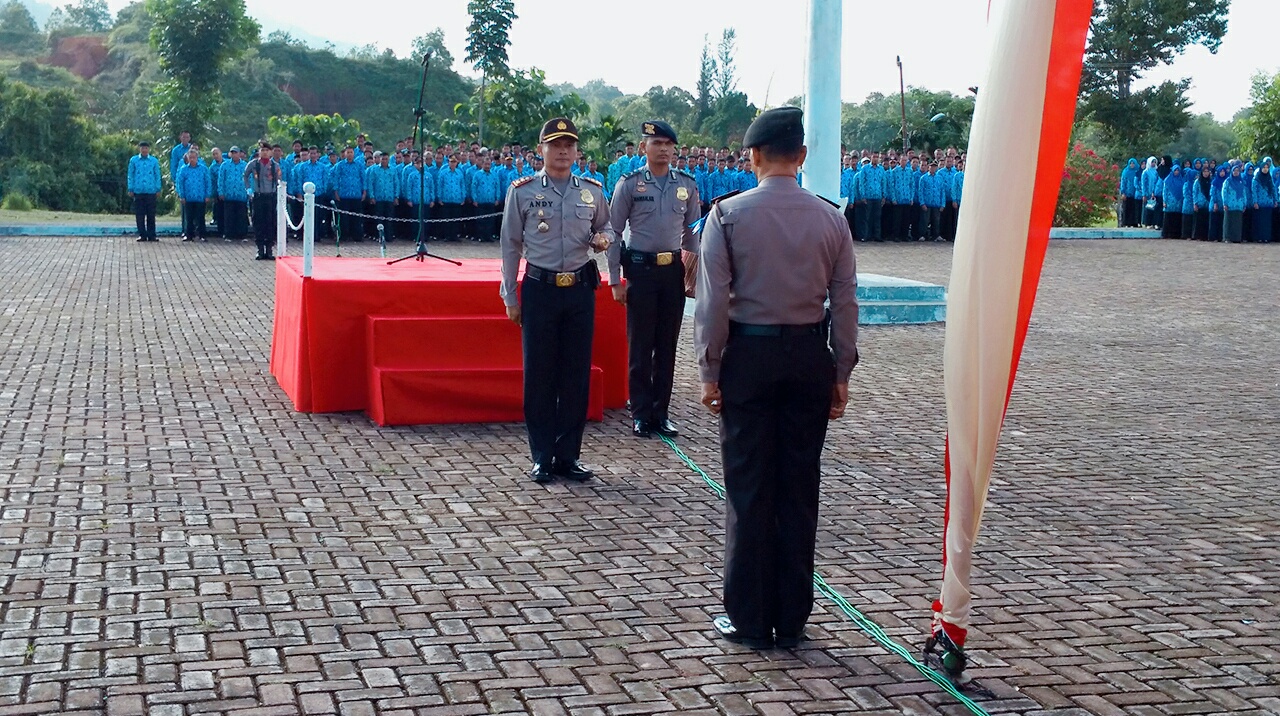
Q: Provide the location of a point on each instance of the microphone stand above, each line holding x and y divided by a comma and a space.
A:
419, 136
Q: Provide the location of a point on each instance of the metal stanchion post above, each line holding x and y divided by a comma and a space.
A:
282, 218
308, 227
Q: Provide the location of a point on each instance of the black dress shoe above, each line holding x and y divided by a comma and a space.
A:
640, 428
665, 428
574, 471
725, 628
541, 474
788, 641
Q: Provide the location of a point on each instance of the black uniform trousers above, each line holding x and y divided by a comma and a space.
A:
930, 222
871, 217
235, 219
264, 222
1201, 229
193, 224
777, 395
487, 228
655, 309
350, 228
217, 229
450, 230
385, 211
558, 324
144, 211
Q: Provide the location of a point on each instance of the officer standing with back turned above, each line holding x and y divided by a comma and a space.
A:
660, 203
770, 258
554, 220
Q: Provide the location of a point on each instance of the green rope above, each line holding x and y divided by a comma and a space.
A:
863, 622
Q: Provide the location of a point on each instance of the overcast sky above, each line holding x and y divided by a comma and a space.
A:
611, 40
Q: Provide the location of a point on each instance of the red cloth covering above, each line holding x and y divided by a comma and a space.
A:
320, 351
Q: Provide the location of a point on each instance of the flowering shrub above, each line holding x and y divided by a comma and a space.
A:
1089, 188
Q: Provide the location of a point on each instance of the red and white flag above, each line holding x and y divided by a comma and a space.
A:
1017, 146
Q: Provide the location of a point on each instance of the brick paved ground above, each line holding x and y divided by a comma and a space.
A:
175, 541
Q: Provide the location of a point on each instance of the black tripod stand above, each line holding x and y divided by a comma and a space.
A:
419, 140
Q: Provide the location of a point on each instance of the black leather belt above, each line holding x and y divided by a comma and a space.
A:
563, 279
775, 331
662, 258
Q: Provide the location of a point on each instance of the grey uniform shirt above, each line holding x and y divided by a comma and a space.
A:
772, 256
660, 214
571, 220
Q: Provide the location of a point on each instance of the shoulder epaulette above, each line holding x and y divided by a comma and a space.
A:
586, 178
522, 181
726, 195
685, 173
827, 200
628, 175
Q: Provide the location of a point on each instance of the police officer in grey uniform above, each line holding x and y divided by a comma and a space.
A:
554, 220
775, 371
660, 202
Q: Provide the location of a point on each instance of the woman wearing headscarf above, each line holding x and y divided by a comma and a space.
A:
1246, 231
1234, 196
1264, 202
1202, 196
1172, 199
1188, 201
1150, 195
1130, 205
1215, 203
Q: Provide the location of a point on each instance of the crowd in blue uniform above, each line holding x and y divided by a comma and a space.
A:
907, 196
459, 189
1202, 199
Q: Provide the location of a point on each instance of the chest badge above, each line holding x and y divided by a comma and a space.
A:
539, 197
587, 198
543, 227
640, 187
541, 213
682, 194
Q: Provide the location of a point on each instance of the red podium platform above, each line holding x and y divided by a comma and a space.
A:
417, 342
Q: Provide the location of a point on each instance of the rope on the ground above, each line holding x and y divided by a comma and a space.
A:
869, 627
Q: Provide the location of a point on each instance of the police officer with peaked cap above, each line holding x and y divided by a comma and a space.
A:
776, 372
554, 220
660, 202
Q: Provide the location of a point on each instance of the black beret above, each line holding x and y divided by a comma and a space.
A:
658, 128
775, 126
556, 128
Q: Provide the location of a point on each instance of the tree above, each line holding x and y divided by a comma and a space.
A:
18, 29
518, 105
1259, 129
1140, 123
934, 120
1202, 137
316, 130
706, 75
725, 81
601, 140
86, 16
433, 42
1128, 38
195, 40
673, 105
730, 117
487, 41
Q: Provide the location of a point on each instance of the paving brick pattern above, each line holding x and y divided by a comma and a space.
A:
174, 540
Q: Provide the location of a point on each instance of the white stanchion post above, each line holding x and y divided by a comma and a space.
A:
822, 100
282, 218
308, 227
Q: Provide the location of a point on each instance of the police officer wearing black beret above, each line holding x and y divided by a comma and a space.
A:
554, 220
660, 203
770, 258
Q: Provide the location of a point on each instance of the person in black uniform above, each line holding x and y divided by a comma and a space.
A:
660, 203
770, 257
554, 220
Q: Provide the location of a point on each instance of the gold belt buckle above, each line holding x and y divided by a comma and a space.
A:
665, 258
565, 280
